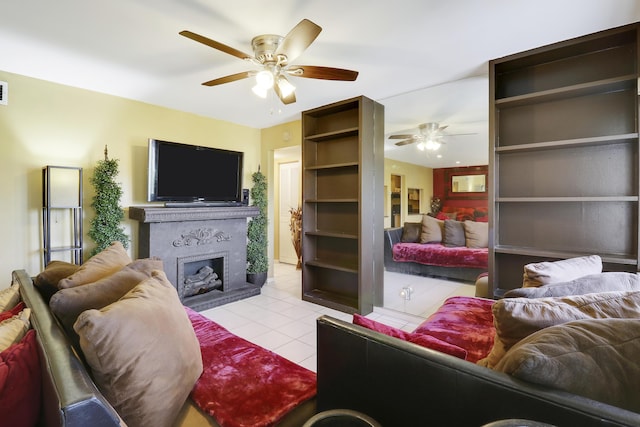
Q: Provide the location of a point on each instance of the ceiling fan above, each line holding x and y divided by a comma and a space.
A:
429, 136
274, 54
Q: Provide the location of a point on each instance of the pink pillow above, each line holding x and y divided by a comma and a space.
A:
420, 339
435, 344
380, 327
20, 383
13, 312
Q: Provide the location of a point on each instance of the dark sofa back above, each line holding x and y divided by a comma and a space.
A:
401, 384
69, 396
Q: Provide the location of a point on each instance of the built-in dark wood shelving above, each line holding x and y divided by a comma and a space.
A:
342, 213
565, 155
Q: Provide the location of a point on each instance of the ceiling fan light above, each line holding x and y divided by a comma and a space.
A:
264, 79
286, 88
436, 145
421, 146
260, 91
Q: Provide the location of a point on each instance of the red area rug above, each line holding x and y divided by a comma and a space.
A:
242, 383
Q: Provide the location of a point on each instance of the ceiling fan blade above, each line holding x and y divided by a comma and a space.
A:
459, 134
298, 39
405, 142
229, 79
401, 136
285, 91
214, 44
323, 73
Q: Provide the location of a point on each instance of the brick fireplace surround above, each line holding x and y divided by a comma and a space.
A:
196, 239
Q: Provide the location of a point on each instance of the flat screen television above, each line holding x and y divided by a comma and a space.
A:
189, 174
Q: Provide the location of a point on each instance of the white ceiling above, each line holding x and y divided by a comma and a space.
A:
425, 60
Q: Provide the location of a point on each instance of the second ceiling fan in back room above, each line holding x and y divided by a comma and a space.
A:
429, 136
274, 54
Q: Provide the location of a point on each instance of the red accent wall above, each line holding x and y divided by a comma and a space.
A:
441, 187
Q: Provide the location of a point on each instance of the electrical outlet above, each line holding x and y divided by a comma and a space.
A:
4, 93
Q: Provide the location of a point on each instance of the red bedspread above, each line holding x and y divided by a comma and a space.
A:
440, 255
243, 384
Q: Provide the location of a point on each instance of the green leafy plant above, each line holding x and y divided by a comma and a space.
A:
257, 259
105, 226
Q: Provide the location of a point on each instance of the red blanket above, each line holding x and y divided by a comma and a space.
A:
440, 255
242, 383
466, 322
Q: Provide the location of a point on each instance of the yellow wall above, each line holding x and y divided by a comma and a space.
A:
281, 136
51, 124
413, 176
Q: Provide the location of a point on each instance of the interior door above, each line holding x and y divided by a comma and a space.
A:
289, 187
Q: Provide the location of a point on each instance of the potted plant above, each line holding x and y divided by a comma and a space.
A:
257, 259
295, 225
105, 226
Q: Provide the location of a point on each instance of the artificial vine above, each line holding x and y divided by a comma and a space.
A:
257, 258
105, 226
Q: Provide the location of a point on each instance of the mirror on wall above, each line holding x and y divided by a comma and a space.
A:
468, 183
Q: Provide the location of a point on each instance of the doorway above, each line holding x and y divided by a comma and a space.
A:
289, 191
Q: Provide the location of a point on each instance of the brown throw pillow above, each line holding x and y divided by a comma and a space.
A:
517, 318
411, 232
432, 230
544, 273
476, 234
98, 266
47, 280
67, 304
143, 352
592, 358
453, 233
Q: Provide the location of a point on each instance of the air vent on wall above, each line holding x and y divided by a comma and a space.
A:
4, 93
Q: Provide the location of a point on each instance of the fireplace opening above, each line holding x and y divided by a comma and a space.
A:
202, 276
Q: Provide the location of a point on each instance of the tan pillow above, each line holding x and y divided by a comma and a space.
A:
47, 280
432, 230
543, 273
476, 234
9, 297
143, 352
14, 328
67, 304
517, 318
597, 359
593, 283
98, 266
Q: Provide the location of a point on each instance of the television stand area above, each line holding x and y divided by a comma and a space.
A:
201, 204
197, 239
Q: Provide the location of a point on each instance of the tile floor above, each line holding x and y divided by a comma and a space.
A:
280, 321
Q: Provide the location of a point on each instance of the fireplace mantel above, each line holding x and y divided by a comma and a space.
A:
162, 214
190, 237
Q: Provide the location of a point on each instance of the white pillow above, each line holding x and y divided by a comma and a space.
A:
14, 328
543, 273
9, 297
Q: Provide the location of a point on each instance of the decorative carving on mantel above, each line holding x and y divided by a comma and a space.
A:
201, 236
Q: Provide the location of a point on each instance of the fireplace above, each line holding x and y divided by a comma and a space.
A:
203, 251
201, 274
